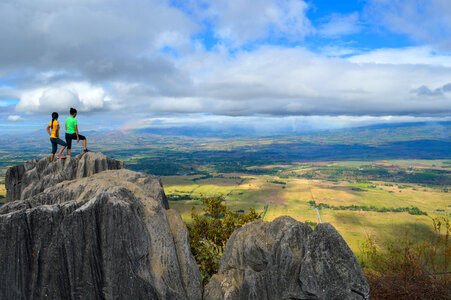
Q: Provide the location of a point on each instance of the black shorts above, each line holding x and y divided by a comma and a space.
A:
73, 136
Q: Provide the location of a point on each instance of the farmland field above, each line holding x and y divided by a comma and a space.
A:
289, 189
289, 193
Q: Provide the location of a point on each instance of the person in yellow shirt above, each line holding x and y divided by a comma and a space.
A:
54, 126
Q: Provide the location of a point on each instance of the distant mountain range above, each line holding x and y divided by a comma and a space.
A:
367, 135
440, 130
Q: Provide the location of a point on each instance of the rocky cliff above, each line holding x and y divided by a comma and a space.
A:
104, 236
86, 228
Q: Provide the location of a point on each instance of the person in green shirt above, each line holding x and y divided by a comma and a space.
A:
72, 132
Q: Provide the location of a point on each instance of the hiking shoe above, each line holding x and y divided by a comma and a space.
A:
61, 156
86, 150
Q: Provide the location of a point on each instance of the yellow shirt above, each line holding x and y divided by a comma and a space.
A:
55, 129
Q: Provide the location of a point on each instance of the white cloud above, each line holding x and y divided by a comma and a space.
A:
422, 55
15, 118
424, 21
62, 96
339, 25
267, 81
242, 21
281, 81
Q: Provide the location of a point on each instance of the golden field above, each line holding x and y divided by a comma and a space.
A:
290, 196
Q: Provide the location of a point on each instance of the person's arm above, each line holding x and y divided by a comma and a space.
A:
76, 132
65, 125
48, 130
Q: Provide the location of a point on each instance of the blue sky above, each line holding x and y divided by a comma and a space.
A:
292, 64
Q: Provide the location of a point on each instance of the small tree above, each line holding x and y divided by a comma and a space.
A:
210, 231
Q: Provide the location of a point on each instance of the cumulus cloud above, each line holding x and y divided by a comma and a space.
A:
15, 118
296, 81
267, 81
60, 97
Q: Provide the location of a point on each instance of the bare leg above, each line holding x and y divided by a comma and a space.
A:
84, 144
68, 152
51, 157
61, 150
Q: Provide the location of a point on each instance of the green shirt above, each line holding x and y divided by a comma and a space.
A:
71, 122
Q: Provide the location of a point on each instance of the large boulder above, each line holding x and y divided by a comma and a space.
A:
286, 259
105, 236
31, 178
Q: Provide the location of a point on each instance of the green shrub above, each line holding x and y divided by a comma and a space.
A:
210, 231
311, 223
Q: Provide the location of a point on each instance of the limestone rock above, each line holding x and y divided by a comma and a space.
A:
34, 176
106, 236
286, 259
87, 228
190, 271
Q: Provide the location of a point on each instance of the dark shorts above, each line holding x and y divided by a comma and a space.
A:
73, 136
55, 143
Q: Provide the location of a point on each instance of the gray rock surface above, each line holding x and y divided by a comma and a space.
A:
31, 178
105, 236
87, 228
286, 259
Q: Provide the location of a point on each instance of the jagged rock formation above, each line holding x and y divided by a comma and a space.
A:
31, 178
286, 259
104, 236
86, 228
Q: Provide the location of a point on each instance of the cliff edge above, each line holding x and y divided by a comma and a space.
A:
79, 230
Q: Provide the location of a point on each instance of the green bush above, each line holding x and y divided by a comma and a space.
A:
311, 223
210, 231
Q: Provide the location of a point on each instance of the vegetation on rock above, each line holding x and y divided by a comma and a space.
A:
210, 231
